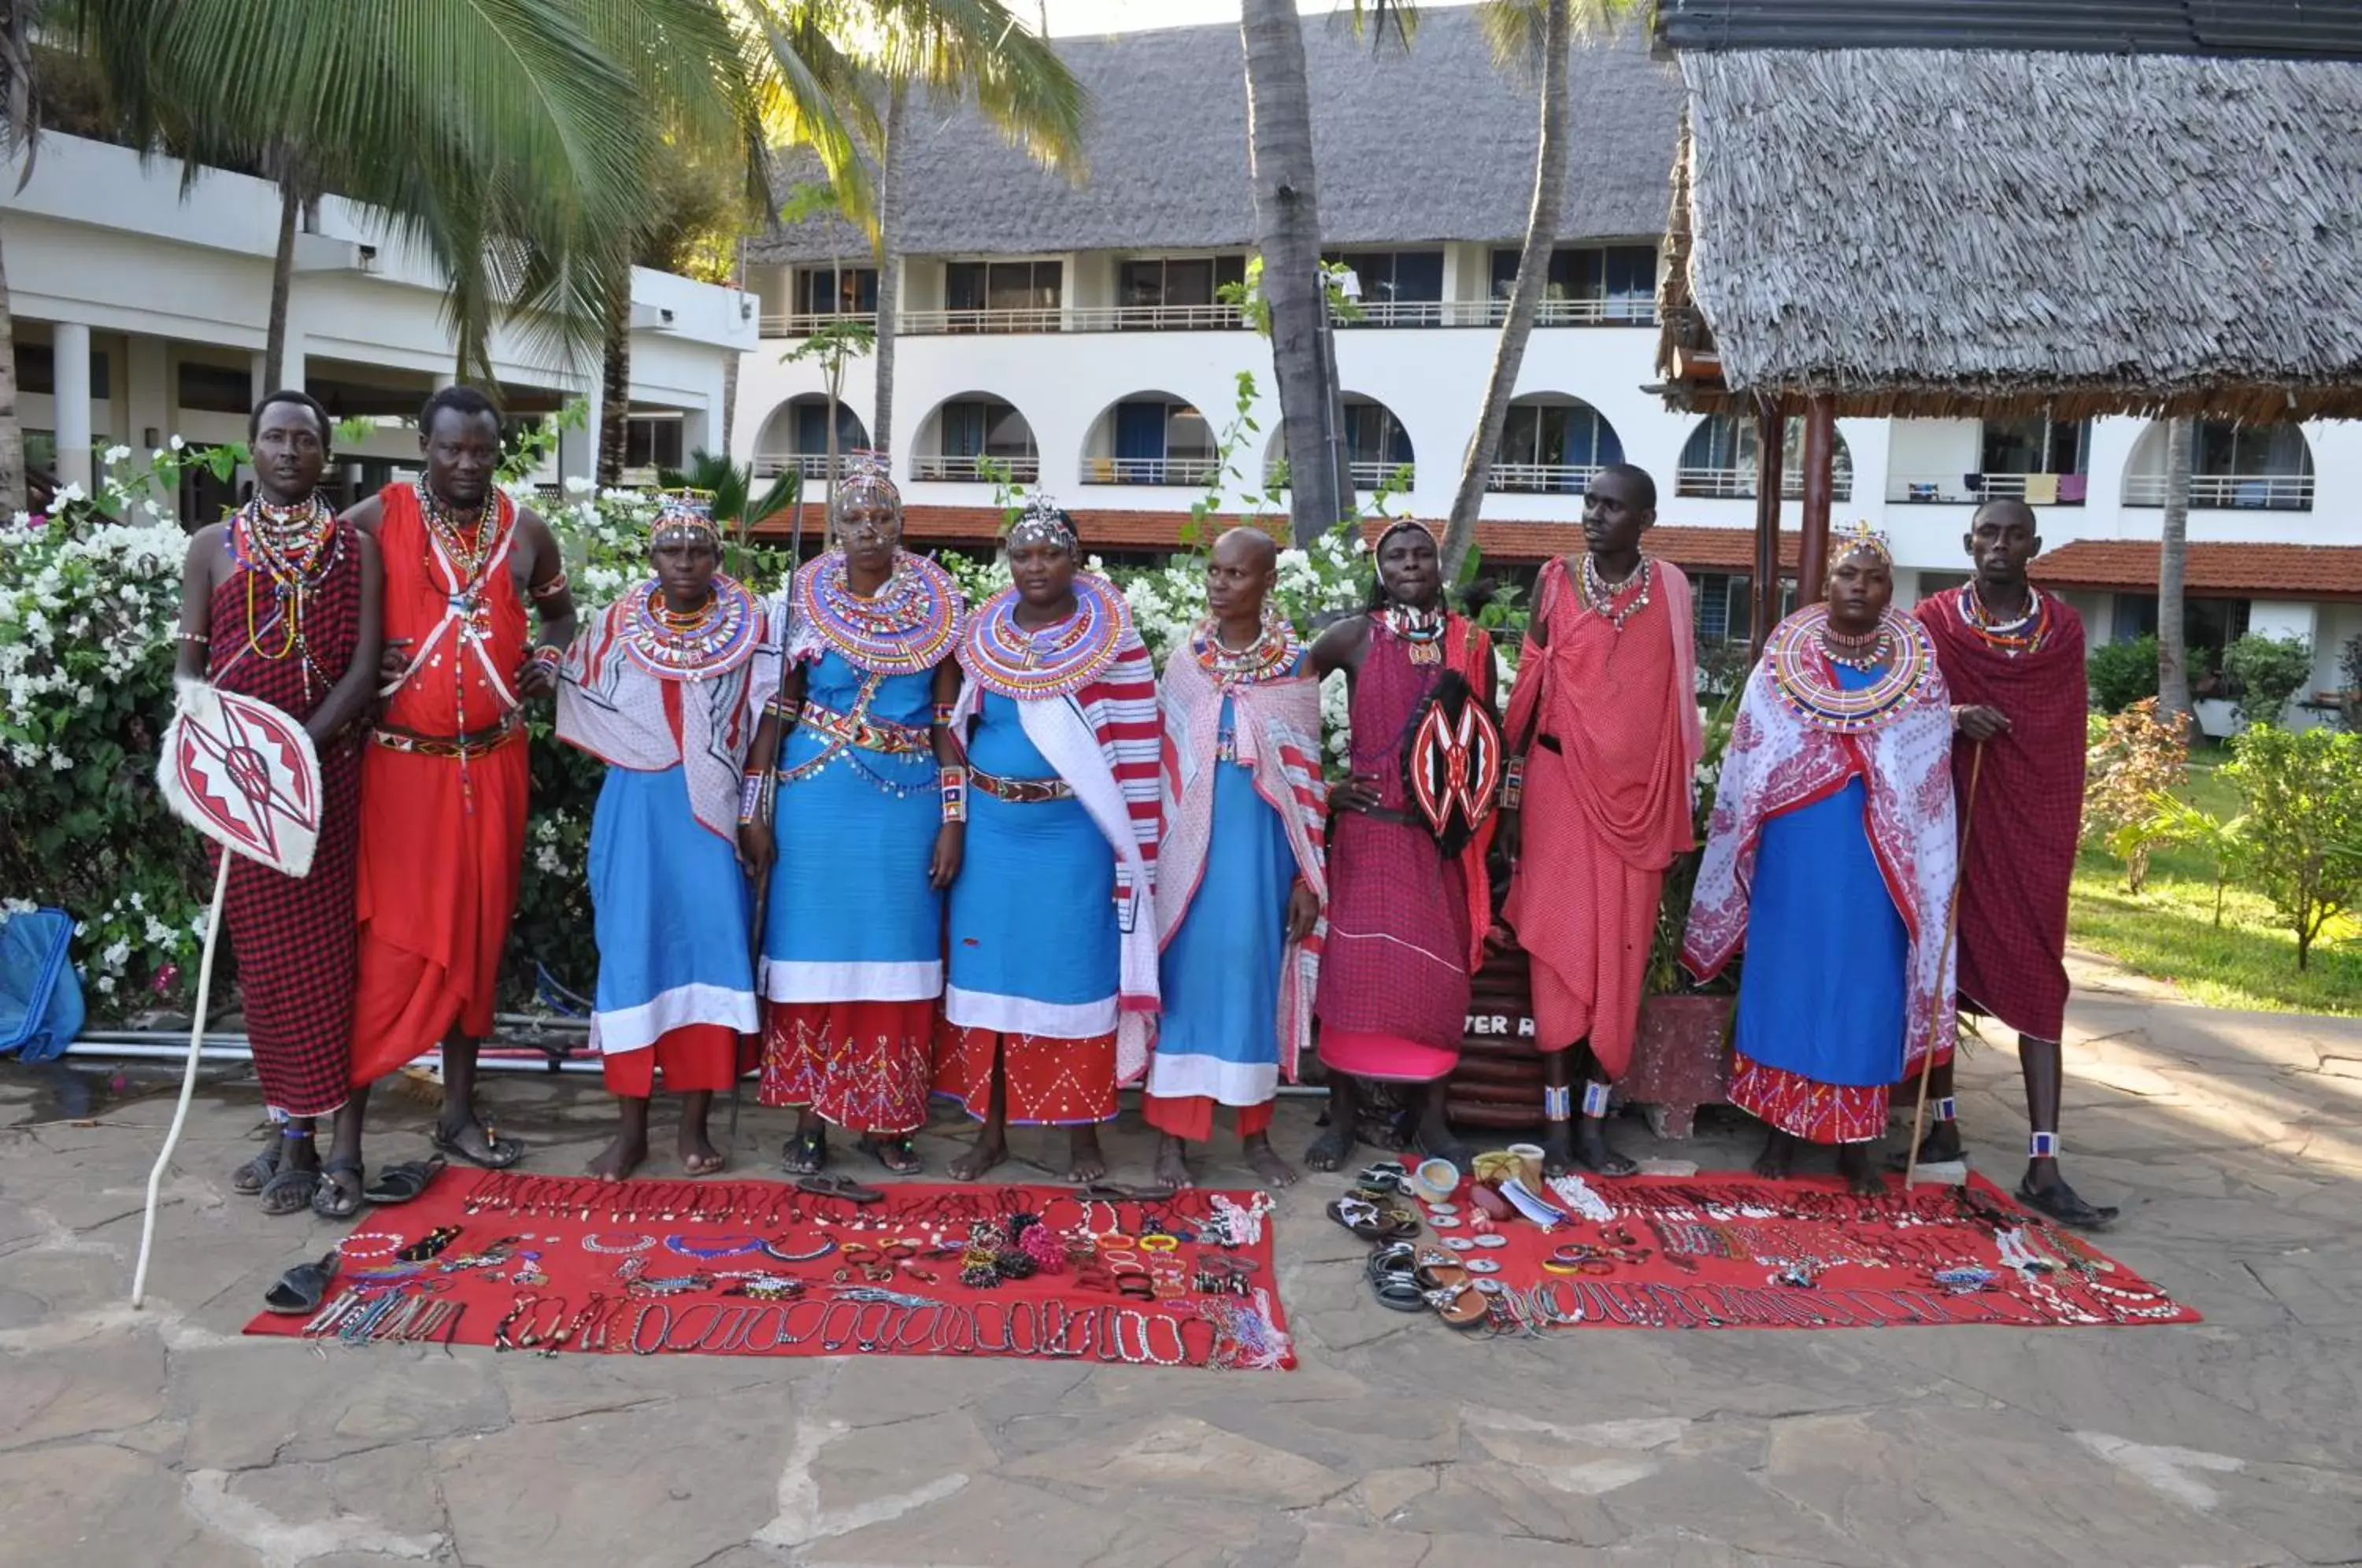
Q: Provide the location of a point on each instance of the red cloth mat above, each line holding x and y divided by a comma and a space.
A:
1734, 1251
541, 1265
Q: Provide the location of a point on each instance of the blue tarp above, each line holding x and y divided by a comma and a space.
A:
40, 995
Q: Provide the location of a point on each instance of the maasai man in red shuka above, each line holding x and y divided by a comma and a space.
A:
2013, 658
443, 783
1410, 901
1605, 735
283, 603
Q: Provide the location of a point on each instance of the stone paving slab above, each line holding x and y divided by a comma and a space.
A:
2233, 1141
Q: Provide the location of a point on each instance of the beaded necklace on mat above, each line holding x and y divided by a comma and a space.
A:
905, 628
1270, 656
1600, 595
1054, 661
2023, 636
713, 639
1798, 661
294, 548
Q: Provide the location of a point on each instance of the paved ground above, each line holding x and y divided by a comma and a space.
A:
2235, 1141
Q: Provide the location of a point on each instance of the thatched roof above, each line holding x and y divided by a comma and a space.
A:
1434, 145
1930, 232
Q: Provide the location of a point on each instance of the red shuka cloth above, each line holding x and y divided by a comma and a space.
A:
293, 935
2029, 812
1599, 713
695, 1057
442, 842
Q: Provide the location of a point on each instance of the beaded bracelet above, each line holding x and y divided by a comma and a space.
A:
943, 716
552, 589
955, 794
199, 638
549, 653
750, 797
1513, 784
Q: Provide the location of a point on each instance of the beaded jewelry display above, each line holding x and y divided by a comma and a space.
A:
1600, 596
905, 628
293, 548
1270, 656
712, 640
1799, 663
1055, 661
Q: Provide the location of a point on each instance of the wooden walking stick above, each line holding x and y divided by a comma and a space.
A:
1951, 924
766, 800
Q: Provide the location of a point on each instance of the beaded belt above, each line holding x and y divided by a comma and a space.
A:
448, 746
863, 731
1020, 791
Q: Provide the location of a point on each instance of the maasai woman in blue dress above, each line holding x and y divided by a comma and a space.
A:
665, 689
852, 939
1052, 992
1831, 858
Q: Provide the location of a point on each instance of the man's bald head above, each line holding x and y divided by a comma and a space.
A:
2004, 508
1250, 548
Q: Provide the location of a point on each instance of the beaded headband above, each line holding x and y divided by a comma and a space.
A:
864, 481
1858, 536
683, 515
1043, 523
1399, 524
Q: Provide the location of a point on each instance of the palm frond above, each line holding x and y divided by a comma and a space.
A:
959, 49
811, 92
1513, 29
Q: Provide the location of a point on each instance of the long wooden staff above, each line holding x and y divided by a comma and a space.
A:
1951, 924
767, 797
187, 1078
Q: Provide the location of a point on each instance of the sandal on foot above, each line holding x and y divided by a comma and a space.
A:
900, 1154
255, 1174
498, 1153
845, 1188
301, 1288
2062, 1203
1106, 1191
332, 1200
290, 1192
805, 1153
401, 1182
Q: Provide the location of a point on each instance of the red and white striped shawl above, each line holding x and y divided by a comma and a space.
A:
1276, 729
1104, 741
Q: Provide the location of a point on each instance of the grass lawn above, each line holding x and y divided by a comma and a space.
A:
2167, 930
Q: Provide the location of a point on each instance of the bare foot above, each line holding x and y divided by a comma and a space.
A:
1172, 1165
1332, 1148
698, 1157
1779, 1154
1275, 1171
621, 1157
1860, 1173
1085, 1163
989, 1150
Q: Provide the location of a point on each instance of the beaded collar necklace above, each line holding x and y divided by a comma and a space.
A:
1803, 676
1270, 656
905, 628
1054, 661
1600, 595
712, 640
2021, 635
1422, 630
293, 548
469, 542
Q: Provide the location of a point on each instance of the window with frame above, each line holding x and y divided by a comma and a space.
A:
1620, 279
851, 291
976, 427
1395, 277
1003, 285
652, 441
1173, 282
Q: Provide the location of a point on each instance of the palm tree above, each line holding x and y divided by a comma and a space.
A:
1529, 33
2173, 548
20, 126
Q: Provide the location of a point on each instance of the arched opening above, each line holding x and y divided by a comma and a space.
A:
2238, 467
1377, 448
1552, 444
976, 437
1718, 461
1150, 438
795, 438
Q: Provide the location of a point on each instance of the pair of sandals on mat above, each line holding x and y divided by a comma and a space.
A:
287, 1188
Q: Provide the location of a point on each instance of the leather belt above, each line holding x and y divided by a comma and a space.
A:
863, 731
462, 747
1400, 819
1020, 791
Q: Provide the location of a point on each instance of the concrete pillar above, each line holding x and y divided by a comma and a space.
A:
70, 347
444, 381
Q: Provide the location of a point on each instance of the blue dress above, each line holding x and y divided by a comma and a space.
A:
1822, 998
669, 907
1218, 1034
852, 917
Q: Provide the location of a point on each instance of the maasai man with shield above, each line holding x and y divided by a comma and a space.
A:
1240, 875
870, 823
445, 780
667, 688
1410, 901
282, 601
1051, 998
1605, 738
1829, 858
2013, 658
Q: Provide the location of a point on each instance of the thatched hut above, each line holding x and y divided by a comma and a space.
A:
2124, 207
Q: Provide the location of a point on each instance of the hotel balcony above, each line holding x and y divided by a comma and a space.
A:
2269, 492
1974, 489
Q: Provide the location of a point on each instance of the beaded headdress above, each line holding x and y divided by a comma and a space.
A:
1399, 524
1043, 523
683, 516
865, 480
1858, 535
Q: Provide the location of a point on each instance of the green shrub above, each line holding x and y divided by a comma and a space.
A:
2121, 674
2302, 844
2265, 672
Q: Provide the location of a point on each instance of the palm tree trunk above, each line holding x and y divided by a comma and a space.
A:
2173, 650
283, 283
12, 430
890, 274
1287, 234
1525, 295
616, 384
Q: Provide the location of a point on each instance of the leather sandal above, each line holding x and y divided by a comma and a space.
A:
2063, 1204
300, 1291
404, 1182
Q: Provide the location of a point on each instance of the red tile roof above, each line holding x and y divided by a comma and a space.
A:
2240, 571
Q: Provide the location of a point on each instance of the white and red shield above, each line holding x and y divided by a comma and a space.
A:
243, 773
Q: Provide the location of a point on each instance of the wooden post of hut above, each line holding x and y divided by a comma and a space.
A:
1770, 479
1820, 486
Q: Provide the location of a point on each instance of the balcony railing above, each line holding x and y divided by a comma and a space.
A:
805, 325
1150, 470
1365, 475
1553, 479
811, 465
1492, 312
1739, 484
2268, 493
1971, 490
946, 466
